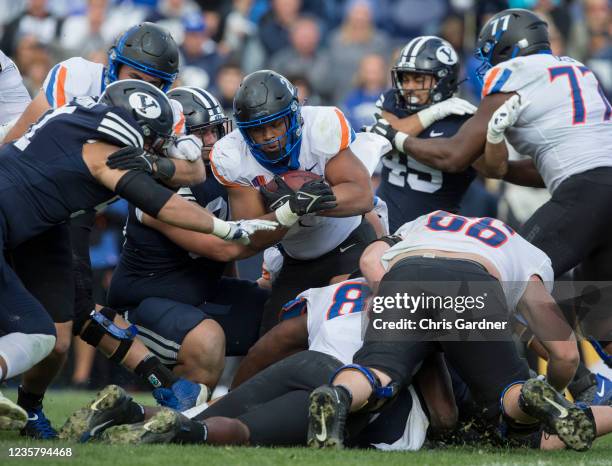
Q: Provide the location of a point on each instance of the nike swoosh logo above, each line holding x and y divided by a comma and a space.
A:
95, 430
323, 435
347, 248
433, 134
33, 418
94, 405
562, 411
602, 391
303, 198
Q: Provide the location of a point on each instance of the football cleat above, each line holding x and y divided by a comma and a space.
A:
110, 408
12, 416
598, 394
329, 406
183, 395
38, 426
559, 416
163, 427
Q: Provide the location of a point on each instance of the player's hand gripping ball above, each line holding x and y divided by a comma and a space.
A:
278, 191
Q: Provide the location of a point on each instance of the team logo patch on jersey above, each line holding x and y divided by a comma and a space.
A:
145, 105
446, 55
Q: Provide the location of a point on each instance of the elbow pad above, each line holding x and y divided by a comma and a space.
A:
145, 193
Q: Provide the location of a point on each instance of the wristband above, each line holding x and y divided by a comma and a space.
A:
285, 216
494, 137
391, 240
426, 117
221, 228
398, 141
164, 169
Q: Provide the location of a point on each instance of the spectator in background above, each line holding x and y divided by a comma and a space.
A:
355, 38
228, 80
169, 14
306, 95
35, 21
405, 19
302, 56
201, 58
370, 82
85, 33
34, 61
239, 27
275, 25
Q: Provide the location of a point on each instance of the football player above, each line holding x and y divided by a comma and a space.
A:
270, 409
564, 129
146, 52
324, 219
59, 167
445, 255
425, 77
169, 281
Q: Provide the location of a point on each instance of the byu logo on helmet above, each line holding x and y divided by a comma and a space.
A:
145, 105
446, 55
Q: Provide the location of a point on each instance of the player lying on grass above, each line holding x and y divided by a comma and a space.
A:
442, 254
59, 168
271, 408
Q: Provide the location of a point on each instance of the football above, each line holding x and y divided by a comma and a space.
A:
295, 179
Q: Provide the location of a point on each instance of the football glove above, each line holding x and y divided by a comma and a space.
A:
136, 158
240, 231
383, 128
439, 111
312, 197
185, 148
274, 200
503, 118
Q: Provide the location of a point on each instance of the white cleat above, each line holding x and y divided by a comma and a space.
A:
12, 416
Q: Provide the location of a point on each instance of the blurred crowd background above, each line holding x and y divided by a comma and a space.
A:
338, 52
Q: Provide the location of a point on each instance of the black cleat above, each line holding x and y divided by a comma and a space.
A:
329, 407
163, 427
110, 408
559, 416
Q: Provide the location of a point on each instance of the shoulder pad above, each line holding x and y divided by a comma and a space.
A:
71, 78
328, 130
510, 76
225, 160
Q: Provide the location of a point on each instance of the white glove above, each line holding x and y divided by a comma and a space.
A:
241, 230
439, 111
503, 118
185, 148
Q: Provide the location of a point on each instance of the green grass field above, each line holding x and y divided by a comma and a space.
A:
60, 404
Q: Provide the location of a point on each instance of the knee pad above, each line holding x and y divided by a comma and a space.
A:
100, 324
380, 395
21, 351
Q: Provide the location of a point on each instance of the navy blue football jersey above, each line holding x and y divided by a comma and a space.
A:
43, 177
412, 189
149, 256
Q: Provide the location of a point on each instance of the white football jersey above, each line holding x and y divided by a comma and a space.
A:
325, 132
514, 258
77, 77
566, 128
335, 314
14, 97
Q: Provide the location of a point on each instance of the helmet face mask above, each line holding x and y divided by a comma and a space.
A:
434, 62
148, 49
268, 115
